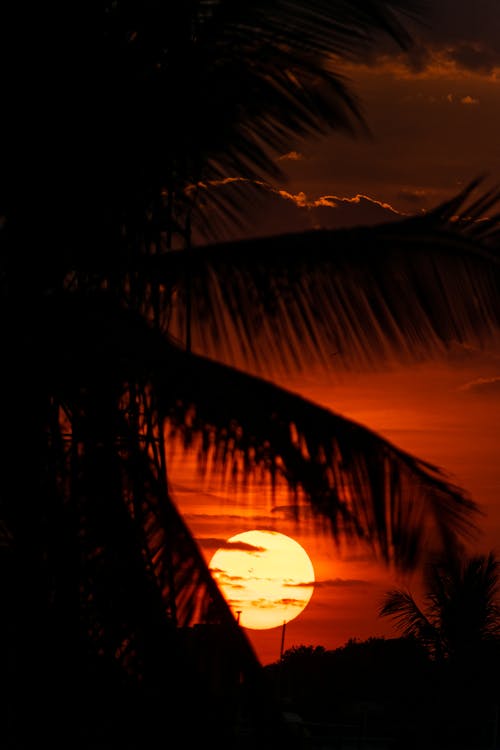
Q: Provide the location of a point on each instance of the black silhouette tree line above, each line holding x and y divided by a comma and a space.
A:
115, 326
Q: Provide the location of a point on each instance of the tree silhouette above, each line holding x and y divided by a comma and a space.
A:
459, 625
377, 687
461, 616
115, 117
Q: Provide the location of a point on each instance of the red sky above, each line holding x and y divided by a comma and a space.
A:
447, 413
435, 122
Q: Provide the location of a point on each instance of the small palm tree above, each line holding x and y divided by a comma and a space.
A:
460, 619
459, 626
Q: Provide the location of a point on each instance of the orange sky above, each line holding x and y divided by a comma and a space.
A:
447, 413
434, 120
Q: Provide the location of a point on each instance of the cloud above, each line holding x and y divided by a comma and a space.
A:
242, 546
227, 578
475, 57
286, 602
486, 386
456, 39
462, 100
291, 156
465, 354
335, 201
221, 543
342, 583
212, 542
468, 100
289, 511
270, 603
302, 584
437, 62
279, 211
413, 195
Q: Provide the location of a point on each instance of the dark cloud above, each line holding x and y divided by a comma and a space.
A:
418, 58
212, 542
342, 583
289, 511
465, 34
291, 156
226, 577
303, 584
473, 56
469, 100
483, 386
215, 543
290, 602
414, 196
476, 57
466, 355
457, 22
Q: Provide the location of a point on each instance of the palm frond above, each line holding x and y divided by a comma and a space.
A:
485, 570
409, 619
173, 93
463, 595
123, 570
461, 621
277, 54
407, 289
353, 482
342, 27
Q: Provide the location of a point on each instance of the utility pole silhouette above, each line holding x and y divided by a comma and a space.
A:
282, 639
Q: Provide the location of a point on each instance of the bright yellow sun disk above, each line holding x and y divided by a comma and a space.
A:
266, 577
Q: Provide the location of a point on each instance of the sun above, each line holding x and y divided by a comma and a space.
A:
267, 578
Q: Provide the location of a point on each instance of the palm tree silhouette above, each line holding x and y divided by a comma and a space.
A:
461, 617
116, 326
459, 626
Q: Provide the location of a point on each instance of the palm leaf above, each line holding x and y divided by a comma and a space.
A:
354, 483
484, 573
462, 617
463, 597
408, 289
161, 95
129, 592
409, 619
276, 54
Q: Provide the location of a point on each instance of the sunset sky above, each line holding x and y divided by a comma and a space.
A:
435, 123
433, 114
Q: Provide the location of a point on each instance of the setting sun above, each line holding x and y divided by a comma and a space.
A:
266, 577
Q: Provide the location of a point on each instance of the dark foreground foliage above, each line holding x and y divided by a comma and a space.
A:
387, 693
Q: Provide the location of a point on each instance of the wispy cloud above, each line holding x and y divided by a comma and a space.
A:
469, 100
482, 385
302, 584
342, 583
335, 201
218, 543
413, 195
291, 156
